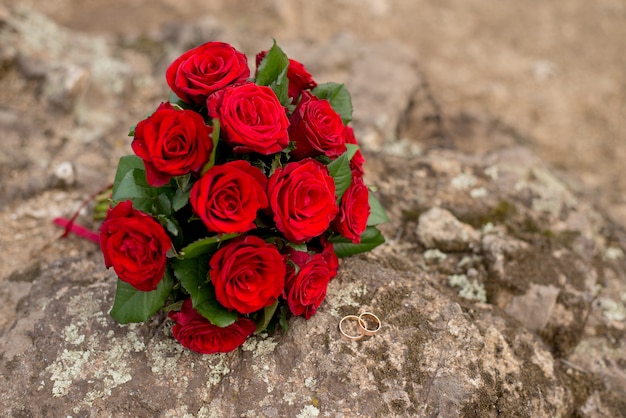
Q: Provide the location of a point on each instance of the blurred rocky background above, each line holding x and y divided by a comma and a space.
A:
494, 133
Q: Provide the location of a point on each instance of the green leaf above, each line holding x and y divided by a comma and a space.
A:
282, 321
132, 305
338, 96
163, 204
183, 182
180, 199
134, 187
370, 239
272, 66
205, 245
215, 137
377, 212
170, 224
340, 171
272, 72
192, 274
351, 149
265, 317
126, 164
298, 247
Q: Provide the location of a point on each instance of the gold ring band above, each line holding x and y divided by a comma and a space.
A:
363, 323
345, 334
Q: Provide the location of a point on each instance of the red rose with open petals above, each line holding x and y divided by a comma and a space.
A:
302, 198
299, 78
203, 70
172, 143
196, 333
305, 289
251, 118
248, 274
228, 196
353, 211
316, 129
135, 245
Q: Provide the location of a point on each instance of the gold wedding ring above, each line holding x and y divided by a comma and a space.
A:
366, 319
359, 326
366, 324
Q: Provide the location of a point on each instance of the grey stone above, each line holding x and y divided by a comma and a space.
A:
534, 308
65, 356
518, 309
438, 228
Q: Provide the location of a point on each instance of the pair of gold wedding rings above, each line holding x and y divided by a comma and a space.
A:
366, 324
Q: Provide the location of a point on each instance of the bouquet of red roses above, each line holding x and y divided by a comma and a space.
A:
242, 194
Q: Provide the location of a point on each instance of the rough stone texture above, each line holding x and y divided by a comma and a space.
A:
438, 228
526, 317
431, 357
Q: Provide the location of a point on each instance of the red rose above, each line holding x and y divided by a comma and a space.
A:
328, 252
316, 129
302, 199
357, 161
299, 78
203, 70
251, 118
228, 196
353, 211
135, 245
305, 289
171, 143
248, 274
196, 333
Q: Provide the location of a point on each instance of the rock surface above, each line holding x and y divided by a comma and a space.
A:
499, 290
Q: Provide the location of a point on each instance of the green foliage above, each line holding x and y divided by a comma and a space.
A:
370, 239
340, 171
205, 245
338, 96
178, 102
215, 137
272, 72
192, 274
265, 316
377, 212
132, 305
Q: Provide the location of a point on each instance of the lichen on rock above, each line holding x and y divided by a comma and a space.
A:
500, 290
